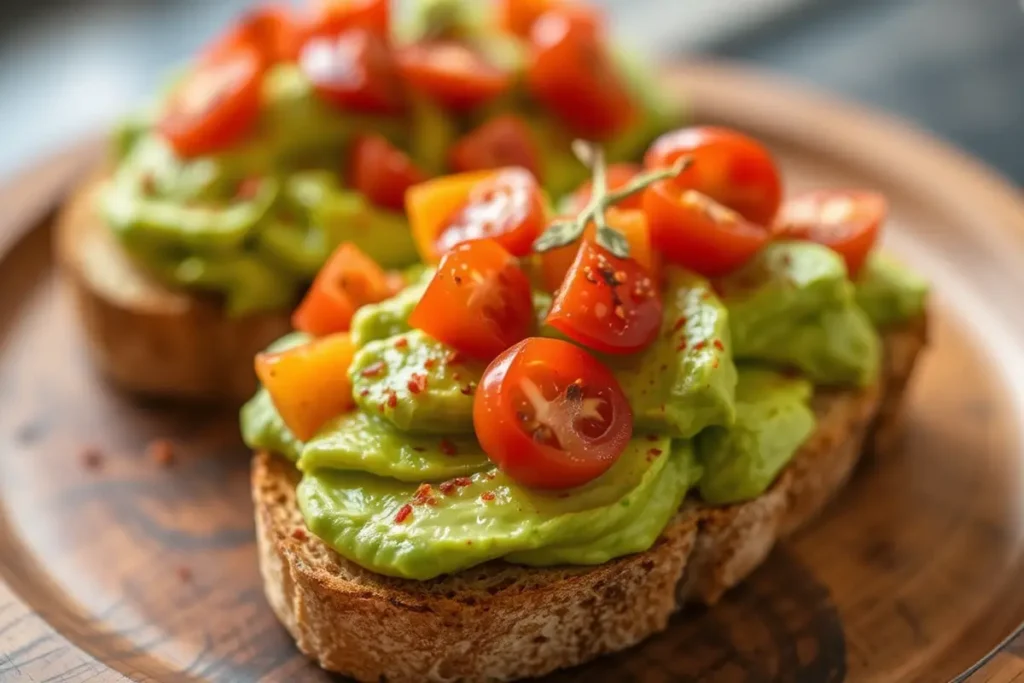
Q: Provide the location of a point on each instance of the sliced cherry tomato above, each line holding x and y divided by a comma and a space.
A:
382, 172
550, 416
353, 70
215, 106
607, 303
517, 16
271, 30
452, 74
847, 221
697, 232
617, 176
731, 168
478, 302
554, 264
505, 140
333, 17
348, 280
309, 384
508, 208
572, 73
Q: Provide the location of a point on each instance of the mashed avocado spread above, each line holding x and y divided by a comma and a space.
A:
718, 414
254, 222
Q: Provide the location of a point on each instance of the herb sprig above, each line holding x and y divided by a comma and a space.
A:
563, 232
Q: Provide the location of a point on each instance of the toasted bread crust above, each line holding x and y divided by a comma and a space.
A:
501, 622
146, 337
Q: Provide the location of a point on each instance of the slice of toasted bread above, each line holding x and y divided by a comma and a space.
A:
148, 338
501, 622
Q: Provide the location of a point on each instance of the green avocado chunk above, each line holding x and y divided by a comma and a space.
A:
411, 381
773, 419
358, 514
794, 306
889, 292
363, 442
685, 380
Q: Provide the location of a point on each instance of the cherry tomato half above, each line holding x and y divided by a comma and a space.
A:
572, 73
617, 175
504, 140
332, 17
731, 168
517, 16
451, 74
697, 232
215, 106
382, 172
353, 70
550, 416
271, 30
350, 279
847, 221
478, 302
508, 208
607, 303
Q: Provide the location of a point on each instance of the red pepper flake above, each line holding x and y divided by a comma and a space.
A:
404, 513
462, 481
487, 495
453, 357
417, 383
161, 451
447, 487
423, 495
374, 369
664, 367
679, 323
714, 365
248, 188
654, 452
392, 398
700, 345
490, 476
184, 574
364, 392
680, 347
719, 345
401, 343
299, 534
429, 363
457, 376
652, 437
447, 447
564, 494
381, 407
92, 458
469, 389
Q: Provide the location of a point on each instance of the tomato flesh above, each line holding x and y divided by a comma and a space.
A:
215, 106
571, 73
607, 303
508, 208
350, 279
847, 221
550, 416
333, 17
451, 74
731, 168
382, 172
353, 70
271, 30
504, 140
478, 301
617, 176
696, 232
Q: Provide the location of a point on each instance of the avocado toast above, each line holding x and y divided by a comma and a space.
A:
221, 202
493, 481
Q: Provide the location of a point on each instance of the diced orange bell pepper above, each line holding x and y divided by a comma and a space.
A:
429, 205
309, 384
630, 222
348, 280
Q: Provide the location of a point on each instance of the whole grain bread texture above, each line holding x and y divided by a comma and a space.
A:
148, 338
502, 622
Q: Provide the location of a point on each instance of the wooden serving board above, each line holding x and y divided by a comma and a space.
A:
117, 565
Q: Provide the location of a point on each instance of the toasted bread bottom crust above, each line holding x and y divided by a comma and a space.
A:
502, 622
148, 338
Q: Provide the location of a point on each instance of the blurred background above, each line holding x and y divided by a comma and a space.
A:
955, 67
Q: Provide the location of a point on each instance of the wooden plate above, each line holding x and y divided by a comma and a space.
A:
914, 574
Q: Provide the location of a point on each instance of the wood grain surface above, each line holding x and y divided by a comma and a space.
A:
115, 561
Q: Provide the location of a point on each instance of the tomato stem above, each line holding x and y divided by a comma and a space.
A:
563, 232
